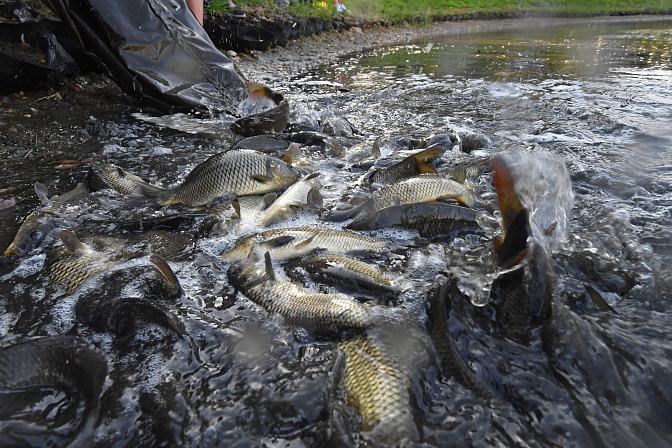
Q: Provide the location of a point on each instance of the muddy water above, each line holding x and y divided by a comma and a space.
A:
583, 112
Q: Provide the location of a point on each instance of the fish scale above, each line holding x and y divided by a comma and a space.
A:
293, 241
312, 311
71, 270
239, 172
426, 187
378, 386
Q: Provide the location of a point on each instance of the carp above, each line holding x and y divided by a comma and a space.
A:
239, 172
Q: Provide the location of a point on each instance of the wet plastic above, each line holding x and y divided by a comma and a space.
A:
156, 51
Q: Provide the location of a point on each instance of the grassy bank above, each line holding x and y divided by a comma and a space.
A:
395, 10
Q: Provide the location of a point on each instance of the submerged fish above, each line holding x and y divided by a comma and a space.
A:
50, 216
305, 194
239, 172
101, 177
378, 386
295, 241
322, 313
419, 163
428, 218
354, 275
62, 362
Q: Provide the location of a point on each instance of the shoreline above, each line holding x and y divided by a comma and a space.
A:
277, 65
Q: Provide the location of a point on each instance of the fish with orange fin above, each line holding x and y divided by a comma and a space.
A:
512, 249
263, 112
419, 163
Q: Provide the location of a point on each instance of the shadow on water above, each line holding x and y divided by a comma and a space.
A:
582, 111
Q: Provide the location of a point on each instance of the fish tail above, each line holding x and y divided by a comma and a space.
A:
502, 180
425, 159
342, 215
161, 196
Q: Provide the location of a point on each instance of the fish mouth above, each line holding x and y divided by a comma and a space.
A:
14, 251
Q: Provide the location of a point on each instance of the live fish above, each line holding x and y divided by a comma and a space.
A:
422, 188
64, 362
353, 275
72, 264
430, 219
52, 214
378, 386
305, 194
295, 241
322, 313
100, 177
239, 172
419, 163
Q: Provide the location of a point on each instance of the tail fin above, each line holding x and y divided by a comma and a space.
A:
342, 215
159, 195
425, 159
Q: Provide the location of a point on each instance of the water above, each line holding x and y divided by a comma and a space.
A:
583, 111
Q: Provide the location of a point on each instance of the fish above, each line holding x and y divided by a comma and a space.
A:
377, 384
51, 215
239, 172
64, 362
70, 265
430, 219
296, 241
263, 112
105, 176
304, 194
419, 163
422, 188
263, 143
316, 312
353, 275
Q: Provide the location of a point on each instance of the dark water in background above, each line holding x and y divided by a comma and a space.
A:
594, 97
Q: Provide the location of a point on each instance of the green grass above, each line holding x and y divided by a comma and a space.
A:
423, 10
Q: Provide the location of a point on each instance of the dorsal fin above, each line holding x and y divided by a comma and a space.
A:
235, 204
41, 192
270, 273
314, 197
72, 243
166, 272
375, 148
269, 199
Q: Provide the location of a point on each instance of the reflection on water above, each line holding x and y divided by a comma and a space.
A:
592, 97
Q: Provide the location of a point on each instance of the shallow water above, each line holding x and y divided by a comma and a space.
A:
582, 109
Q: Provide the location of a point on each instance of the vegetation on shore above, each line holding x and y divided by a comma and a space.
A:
425, 10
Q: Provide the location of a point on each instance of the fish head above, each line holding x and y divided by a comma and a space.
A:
282, 173
31, 233
246, 274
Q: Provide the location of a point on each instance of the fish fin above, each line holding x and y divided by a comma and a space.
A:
121, 173
159, 195
305, 242
294, 152
262, 179
285, 157
269, 199
314, 197
258, 91
270, 273
502, 180
41, 192
166, 272
424, 160
311, 176
280, 241
375, 148
598, 300
342, 215
513, 249
233, 199
72, 243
